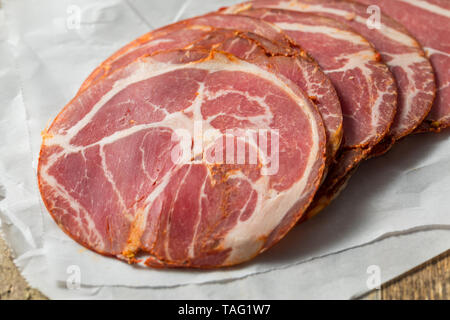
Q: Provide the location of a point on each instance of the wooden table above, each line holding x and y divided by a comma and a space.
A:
430, 280
12, 285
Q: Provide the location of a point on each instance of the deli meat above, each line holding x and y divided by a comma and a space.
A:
202, 143
365, 86
254, 39
429, 22
399, 50
182, 34
301, 70
131, 166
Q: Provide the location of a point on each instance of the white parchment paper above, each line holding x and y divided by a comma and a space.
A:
48, 47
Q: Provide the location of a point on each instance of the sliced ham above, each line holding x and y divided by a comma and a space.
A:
364, 85
183, 34
399, 50
429, 22
110, 170
266, 39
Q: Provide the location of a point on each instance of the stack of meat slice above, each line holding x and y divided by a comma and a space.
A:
429, 22
202, 143
401, 53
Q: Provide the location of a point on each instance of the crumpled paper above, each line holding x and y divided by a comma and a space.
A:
393, 205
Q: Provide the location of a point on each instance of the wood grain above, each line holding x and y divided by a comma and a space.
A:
429, 281
12, 285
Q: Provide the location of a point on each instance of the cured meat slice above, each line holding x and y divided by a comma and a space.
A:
399, 50
301, 70
144, 164
266, 40
429, 22
365, 86
182, 34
